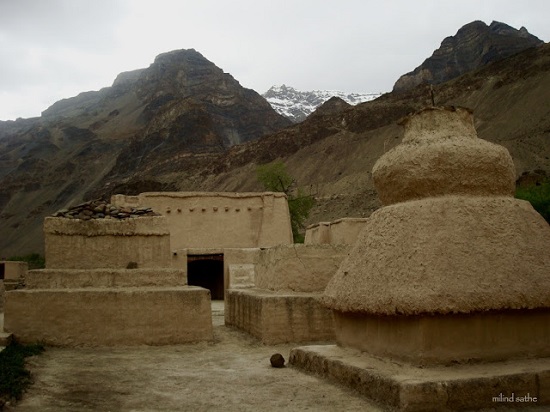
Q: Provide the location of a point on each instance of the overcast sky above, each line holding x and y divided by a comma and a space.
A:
53, 49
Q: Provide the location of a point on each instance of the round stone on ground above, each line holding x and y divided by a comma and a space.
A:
277, 360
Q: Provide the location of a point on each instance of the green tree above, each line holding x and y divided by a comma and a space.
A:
538, 196
275, 178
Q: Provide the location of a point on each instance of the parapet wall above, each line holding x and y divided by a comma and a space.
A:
219, 220
318, 234
106, 243
119, 316
341, 231
104, 278
275, 317
298, 268
12, 274
13, 270
239, 267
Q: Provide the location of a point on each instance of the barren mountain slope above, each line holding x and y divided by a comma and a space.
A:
473, 46
333, 151
511, 104
180, 103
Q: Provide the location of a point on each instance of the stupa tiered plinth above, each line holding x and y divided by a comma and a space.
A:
444, 301
108, 282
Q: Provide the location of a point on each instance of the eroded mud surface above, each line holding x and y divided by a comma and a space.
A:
231, 374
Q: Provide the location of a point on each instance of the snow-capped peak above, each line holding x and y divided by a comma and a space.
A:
297, 105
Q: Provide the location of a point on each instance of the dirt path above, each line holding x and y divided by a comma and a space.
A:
231, 374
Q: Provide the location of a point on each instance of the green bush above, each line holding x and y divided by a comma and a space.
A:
299, 207
14, 378
34, 260
538, 196
274, 177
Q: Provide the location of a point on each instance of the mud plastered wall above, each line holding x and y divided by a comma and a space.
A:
101, 243
219, 220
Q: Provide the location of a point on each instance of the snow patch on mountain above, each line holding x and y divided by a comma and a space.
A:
297, 105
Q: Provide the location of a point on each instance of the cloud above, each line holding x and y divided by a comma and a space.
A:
71, 24
69, 46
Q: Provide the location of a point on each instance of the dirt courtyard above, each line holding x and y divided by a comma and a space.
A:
232, 373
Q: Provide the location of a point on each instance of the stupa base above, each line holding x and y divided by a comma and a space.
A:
279, 317
521, 384
424, 340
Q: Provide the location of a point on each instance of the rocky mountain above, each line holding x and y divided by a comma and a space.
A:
332, 152
53, 162
296, 105
181, 104
473, 46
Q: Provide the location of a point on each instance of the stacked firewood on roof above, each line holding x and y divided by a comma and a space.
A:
100, 209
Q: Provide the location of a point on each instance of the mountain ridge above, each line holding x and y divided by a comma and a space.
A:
473, 46
148, 144
296, 105
181, 103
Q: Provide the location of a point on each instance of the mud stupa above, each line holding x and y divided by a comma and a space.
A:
446, 294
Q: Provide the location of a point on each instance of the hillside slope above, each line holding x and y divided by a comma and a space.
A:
473, 46
181, 103
331, 153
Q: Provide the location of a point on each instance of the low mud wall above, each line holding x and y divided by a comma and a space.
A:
142, 242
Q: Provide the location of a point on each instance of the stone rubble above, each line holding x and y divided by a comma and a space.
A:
100, 209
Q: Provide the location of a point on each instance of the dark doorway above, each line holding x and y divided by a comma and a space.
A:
2, 271
206, 271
